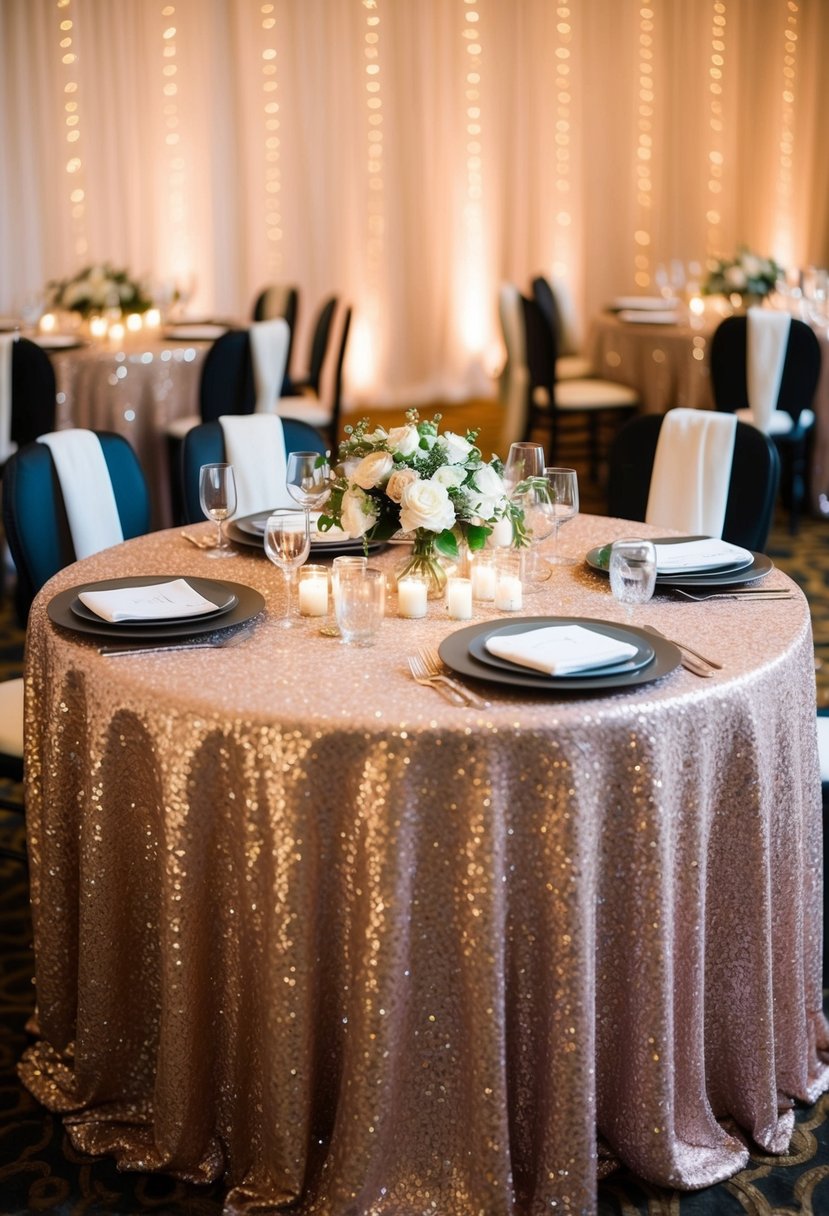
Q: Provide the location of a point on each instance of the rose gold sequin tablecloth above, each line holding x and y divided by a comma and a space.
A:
138, 392
668, 367
302, 925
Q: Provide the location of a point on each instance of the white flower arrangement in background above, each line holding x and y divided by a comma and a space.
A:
745, 274
100, 288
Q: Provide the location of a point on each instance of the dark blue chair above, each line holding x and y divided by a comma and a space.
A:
205, 444
34, 516
33, 392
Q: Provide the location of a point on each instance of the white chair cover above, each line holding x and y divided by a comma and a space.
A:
767, 338
692, 472
94, 522
269, 341
6, 353
255, 446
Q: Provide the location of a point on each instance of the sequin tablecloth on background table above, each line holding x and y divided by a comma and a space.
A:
302, 925
137, 391
668, 365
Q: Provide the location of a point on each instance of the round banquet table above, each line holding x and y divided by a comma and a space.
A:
668, 365
303, 926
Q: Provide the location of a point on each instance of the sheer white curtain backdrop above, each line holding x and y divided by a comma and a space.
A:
408, 156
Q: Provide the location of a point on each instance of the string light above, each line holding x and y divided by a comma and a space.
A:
785, 176
272, 143
176, 210
716, 158
72, 121
564, 168
644, 151
474, 315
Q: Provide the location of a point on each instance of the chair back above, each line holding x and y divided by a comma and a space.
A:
547, 301
227, 385
514, 377
33, 392
798, 382
205, 444
279, 300
319, 343
331, 378
755, 473
541, 348
34, 516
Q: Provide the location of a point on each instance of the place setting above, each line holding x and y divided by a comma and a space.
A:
699, 566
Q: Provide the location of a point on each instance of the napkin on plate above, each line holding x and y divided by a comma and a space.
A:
334, 535
706, 554
156, 602
560, 650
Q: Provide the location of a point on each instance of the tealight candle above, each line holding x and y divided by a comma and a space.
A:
459, 598
47, 323
152, 318
508, 597
313, 591
98, 327
134, 322
116, 333
483, 577
412, 597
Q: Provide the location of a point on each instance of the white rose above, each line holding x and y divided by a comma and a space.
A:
404, 439
426, 504
488, 482
397, 483
752, 265
449, 475
378, 435
735, 277
358, 513
457, 448
373, 469
482, 505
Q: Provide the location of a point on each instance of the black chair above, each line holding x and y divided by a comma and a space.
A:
33, 392
279, 300
570, 365
755, 473
320, 339
319, 402
205, 444
568, 409
793, 420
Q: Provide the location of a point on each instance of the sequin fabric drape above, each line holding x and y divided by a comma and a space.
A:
302, 925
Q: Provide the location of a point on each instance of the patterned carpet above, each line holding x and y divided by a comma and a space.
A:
40, 1172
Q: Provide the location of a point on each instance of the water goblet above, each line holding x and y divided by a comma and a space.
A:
307, 478
540, 521
344, 562
360, 604
217, 495
287, 544
563, 487
524, 460
632, 573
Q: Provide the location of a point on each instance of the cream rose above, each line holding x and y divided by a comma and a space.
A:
397, 483
426, 504
449, 475
373, 469
404, 439
457, 448
358, 512
487, 482
735, 277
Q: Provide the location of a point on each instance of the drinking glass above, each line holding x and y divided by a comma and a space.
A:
307, 478
564, 495
217, 495
287, 544
524, 460
360, 603
632, 573
345, 562
540, 521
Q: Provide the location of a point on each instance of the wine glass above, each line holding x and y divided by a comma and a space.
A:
287, 544
307, 479
632, 573
538, 509
217, 495
524, 460
564, 495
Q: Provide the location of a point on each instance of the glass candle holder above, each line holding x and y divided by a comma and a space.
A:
459, 598
483, 575
313, 591
509, 596
413, 596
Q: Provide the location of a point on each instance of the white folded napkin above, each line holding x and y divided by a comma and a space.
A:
707, 554
767, 338
559, 650
692, 472
644, 303
636, 316
255, 446
157, 602
6, 354
86, 487
269, 342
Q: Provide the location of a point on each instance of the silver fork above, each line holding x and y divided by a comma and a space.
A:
422, 675
436, 666
711, 664
766, 593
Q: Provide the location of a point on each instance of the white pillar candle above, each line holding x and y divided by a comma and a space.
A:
501, 534
313, 595
508, 593
483, 580
459, 598
412, 597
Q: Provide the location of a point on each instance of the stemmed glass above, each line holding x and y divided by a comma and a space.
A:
533, 497
307, 479
217, 495
563, 486
632, 573
287, 544
524, 460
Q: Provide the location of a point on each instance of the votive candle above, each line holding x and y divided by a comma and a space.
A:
313, 592
47, 323
98, 327
116, 333
412, 597
508, 596
134, 322
483, 578
459, 598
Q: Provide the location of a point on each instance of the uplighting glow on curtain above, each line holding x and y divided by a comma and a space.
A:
408, 156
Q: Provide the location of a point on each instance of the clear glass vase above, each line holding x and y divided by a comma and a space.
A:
424, 560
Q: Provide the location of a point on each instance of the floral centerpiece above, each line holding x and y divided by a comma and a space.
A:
99, 289
746, 274
413, 479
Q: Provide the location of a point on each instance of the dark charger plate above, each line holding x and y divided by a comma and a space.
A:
248, 604
731, 576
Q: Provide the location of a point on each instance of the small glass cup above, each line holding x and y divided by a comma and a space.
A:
483, 575
509, 594
632, 572
360, 604
313, 591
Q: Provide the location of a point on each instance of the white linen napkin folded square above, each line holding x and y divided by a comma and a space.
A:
157, 602
707, 554
560, 650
